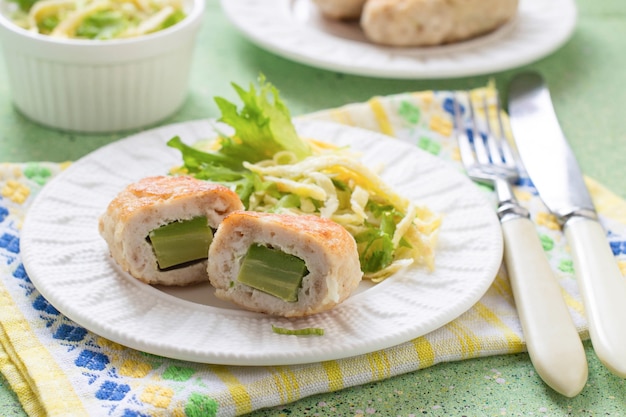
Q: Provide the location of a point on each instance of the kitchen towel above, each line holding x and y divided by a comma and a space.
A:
58, 368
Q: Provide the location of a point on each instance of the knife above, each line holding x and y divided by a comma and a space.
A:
552, 167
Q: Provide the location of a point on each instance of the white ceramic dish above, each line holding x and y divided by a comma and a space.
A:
69, 263
100, 86
295, 30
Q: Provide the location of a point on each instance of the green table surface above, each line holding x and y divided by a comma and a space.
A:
587, 77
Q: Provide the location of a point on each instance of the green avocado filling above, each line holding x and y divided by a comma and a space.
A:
180, 242
272, 271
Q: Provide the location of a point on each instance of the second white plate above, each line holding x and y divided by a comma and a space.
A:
295, 30
69, 262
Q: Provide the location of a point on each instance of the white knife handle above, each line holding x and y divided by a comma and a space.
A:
603, 290
553, 343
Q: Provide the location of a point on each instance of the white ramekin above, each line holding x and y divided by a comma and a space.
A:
100, 86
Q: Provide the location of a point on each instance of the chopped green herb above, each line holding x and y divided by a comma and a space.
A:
308, 331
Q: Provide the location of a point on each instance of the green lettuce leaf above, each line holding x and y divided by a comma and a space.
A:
375, 249
105, 24
217, 168
375, 244
262, 127
25, 5
174, 18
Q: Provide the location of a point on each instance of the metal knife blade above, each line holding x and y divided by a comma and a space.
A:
552, 167
557, 179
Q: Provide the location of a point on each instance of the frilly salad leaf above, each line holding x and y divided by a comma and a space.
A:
262, 127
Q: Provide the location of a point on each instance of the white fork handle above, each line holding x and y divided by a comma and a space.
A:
603, 290
553, 343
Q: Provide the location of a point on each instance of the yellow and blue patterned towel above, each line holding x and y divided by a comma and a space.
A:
58, 368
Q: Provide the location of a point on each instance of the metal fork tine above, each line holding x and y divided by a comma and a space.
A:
507, 152
465, 147
493, 141
487, 156
509, 158
482, 153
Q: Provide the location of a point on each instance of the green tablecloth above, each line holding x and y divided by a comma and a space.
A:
588, 87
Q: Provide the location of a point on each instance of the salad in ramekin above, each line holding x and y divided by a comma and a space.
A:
99, 66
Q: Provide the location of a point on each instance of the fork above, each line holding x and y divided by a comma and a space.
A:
552, 341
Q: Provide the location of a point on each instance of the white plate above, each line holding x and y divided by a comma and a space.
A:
295, 30
69, 263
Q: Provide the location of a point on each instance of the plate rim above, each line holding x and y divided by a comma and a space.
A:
230, 358
387, 62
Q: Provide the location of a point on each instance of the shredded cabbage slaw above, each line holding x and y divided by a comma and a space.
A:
335, 185
97, 19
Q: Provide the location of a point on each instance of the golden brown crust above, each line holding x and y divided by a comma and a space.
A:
152, 191
153, 202
335, 237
